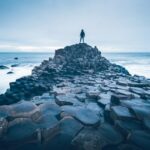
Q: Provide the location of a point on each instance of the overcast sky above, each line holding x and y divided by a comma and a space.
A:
44, 25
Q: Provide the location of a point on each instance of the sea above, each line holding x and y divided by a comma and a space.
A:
135, 63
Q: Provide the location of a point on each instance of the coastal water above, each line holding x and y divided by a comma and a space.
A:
136, 63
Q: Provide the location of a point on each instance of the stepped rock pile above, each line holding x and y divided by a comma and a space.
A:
76, 101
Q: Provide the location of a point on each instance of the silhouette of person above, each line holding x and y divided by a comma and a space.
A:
82, 35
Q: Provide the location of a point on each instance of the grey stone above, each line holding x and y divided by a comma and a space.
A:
66, 99
126, 126
49, 107
3, 67
24, 109
84, 115
140, 138
128, 147
48, 125
95, 95
147, 122
122, 113
97, 139
21, 130
104, 99
69, 128
3, 126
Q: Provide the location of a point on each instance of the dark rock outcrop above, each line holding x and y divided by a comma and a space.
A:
73, 60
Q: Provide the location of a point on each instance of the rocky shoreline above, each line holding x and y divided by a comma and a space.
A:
76, 101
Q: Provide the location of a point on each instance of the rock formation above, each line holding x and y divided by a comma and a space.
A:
73, 60
76, 101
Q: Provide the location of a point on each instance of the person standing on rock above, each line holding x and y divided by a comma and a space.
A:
82, 35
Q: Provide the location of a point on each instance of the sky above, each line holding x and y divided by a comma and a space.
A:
46, 25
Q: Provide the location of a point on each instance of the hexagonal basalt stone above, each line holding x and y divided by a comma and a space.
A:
24, 109
140, 138
95, 95
49, 107
66, 99
128, 147
48, 125
69, 128
97, 139
3, 126
104, 99
141, 112
147, 122
126, 127
21, 130
83, 114
120, 112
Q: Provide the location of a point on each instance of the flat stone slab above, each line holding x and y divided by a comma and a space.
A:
134, 102
128, 94
97, 139
67, 99
49, 126
137, 90
116, 98
147, 122
141, 139
123, 82
126, 127
49, 107
83, 114
24, 109
68, 129
122, 113
104, 99
93, 94
141, 112
81, 97
3, 126
95, 107
70, 126
21, 129
128, 147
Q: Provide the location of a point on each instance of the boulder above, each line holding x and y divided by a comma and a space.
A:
10, 72
3, 67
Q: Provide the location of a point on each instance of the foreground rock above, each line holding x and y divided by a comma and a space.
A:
76, 101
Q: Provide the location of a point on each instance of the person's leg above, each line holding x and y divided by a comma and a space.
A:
83, 39
80, 39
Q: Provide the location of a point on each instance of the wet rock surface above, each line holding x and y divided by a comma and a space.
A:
76, 101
